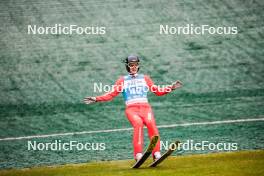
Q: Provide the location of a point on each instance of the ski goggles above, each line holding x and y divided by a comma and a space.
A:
133, 64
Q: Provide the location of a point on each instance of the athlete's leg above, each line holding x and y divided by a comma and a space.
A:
137, 123
149, 120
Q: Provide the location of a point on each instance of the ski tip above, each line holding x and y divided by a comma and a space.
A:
177, 142
153, 142
155, 138
174, 146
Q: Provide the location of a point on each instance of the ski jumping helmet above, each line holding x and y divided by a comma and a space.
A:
131, 58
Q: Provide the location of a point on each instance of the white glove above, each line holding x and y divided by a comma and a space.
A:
176, 85
89, 100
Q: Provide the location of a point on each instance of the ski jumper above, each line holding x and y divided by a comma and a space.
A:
138, 111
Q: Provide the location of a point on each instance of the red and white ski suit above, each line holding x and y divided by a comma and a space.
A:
138, 111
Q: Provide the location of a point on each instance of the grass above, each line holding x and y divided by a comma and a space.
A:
233, 163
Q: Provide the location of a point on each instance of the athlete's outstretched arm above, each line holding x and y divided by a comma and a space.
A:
117, 88
161, 91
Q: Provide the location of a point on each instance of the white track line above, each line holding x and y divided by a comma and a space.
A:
128, 129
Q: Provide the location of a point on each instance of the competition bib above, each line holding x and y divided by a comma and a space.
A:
135, 89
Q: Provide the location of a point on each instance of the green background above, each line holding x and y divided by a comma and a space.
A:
44, 78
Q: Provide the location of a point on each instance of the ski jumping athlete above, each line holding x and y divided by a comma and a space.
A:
134, 88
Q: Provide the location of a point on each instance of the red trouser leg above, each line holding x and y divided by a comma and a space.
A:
137, 123
149, 120
138, 116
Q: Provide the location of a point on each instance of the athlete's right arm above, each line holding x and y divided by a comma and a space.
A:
117, 88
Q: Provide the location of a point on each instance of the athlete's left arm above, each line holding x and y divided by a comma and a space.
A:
159, 91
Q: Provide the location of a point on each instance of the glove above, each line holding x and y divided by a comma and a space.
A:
89, 100
176, 85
